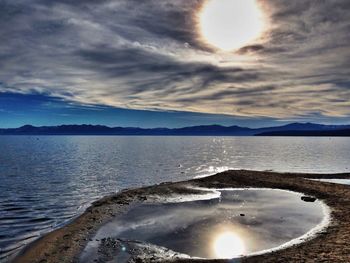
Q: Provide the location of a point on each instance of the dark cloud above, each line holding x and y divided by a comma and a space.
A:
148, 55
251, 48
138, 64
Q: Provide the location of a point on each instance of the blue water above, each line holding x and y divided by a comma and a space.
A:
46, 181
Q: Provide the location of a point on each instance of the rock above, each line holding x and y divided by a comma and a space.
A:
66, 248
242, 214
308, 199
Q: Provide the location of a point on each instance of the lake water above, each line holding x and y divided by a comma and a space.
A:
48, 180
335, 181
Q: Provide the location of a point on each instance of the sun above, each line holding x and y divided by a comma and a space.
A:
230, 24
228, 245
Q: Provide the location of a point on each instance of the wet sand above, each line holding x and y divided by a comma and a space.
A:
67, 243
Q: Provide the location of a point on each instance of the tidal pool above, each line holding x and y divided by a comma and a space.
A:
235, 223
334, 181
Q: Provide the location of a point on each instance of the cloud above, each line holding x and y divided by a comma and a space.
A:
148, 55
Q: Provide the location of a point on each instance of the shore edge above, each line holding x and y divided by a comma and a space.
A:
331, 245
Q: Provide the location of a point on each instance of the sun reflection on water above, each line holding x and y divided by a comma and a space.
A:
228, 244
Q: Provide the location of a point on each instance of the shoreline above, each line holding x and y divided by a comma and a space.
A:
331, 245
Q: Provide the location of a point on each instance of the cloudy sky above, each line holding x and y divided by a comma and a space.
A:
145, 63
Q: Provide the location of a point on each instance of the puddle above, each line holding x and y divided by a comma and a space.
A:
334, 181
237, 223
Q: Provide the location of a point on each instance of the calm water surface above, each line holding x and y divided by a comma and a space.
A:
238, 223
335, 181
48, 180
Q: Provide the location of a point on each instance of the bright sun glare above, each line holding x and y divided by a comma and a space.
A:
230, 24
228, 245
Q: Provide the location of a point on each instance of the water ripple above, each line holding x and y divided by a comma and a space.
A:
46, 183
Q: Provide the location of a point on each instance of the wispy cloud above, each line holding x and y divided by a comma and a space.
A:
148, 55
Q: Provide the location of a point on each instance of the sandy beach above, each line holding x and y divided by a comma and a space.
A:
331, 245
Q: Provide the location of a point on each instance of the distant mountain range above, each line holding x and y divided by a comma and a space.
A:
293, 129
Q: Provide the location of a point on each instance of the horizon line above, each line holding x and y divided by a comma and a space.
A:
203, 125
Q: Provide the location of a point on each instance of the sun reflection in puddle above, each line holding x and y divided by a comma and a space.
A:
228, 245
241, 222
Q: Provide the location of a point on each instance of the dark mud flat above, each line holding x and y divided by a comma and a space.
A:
331, 245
